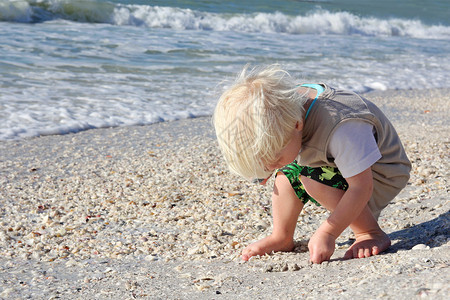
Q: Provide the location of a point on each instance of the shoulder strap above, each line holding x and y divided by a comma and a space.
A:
320, 89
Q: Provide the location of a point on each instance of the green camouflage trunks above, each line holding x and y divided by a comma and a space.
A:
326, 175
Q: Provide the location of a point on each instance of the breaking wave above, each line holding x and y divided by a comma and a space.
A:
320, 22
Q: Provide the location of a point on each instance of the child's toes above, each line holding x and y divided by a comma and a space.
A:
375, 250
361, 253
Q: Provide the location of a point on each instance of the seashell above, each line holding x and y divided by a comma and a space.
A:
420, 247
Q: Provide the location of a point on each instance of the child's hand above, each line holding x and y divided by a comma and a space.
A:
321, 246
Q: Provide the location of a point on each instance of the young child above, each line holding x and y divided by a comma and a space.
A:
328, 146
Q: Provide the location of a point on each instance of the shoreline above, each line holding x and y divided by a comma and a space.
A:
379, 95
151, 211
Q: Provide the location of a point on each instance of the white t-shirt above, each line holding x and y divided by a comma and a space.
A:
353, 147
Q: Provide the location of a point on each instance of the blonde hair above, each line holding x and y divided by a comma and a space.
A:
254, 119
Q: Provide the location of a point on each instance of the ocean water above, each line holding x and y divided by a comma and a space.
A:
68, 66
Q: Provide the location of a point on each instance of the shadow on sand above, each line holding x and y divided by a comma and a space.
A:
433, 233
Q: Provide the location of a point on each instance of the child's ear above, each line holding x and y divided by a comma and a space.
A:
299, 126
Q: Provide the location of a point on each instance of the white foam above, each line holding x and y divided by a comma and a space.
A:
316, 22
319, 22
50, 120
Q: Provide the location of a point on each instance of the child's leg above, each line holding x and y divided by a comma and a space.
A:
370, 239
286, 207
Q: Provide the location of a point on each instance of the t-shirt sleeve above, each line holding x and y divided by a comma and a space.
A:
353, 147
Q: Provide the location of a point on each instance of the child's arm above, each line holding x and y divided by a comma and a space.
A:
352, 203
285, 210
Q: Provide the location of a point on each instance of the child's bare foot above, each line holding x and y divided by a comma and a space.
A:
368, 244
267, 245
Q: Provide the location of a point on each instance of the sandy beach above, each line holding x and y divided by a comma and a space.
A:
151, 212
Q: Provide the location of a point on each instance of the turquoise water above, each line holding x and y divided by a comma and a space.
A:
67, 66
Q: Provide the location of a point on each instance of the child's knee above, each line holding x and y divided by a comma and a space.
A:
283, 185
282, 182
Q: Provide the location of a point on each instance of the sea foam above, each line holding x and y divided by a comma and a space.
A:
314, 22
